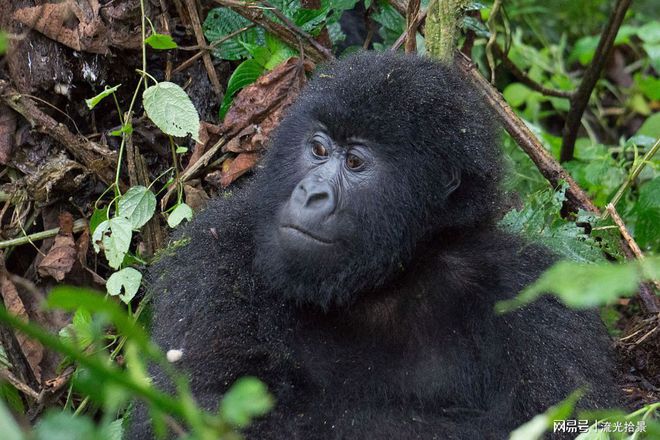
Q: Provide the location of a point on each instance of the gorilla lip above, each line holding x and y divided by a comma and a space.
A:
299, 230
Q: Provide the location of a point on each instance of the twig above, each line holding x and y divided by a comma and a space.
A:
649, 299
525, 79
633, 175
189, 62
288, 33
576, 198
78, 226
18, 384
418, 26
580, 99
412, 21
199, 35
495, 10
98, 159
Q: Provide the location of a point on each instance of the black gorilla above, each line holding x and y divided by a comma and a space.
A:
357, 275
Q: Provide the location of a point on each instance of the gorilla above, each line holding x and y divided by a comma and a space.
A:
356, 274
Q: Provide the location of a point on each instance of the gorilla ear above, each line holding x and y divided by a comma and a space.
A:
453, 182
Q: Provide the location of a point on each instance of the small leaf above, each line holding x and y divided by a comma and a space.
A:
92, 102
98, 217
138, 205
129, 279
64, 426
170, 108
4, 42
247, 398
181, 150
516, 94
178, 214
651, 127
115, 236
161, 41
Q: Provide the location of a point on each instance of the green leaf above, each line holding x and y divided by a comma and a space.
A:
586, 285
651, 127
181, 150
245, 74
112, 431
129, 279
537, 426
64, 426
649, 86
178, 214
4, 42
8, 426
220, 22
138, 205
516, 94
115, 236
81, 330
161, 41
647, 209
247, 398
170, 108
650, 32
98, 217
92, 102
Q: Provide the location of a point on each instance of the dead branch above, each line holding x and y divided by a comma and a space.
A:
412, 23
581, 97
199, 35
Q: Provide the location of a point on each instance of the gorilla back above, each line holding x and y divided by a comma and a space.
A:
357, 274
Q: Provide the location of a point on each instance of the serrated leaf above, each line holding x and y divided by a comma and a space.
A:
57, 425
92, 102
647, 209
245, 74
161, 41
170, 108
220, 22
138, 205
80, 329
129, 279
247, 398
179, 213
115, 237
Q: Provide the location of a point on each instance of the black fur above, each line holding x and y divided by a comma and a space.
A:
400, 340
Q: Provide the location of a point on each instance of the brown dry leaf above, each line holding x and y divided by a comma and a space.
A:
62, 255
239, 166
77, 25
254, 103
196, 197
7, 130
32, 350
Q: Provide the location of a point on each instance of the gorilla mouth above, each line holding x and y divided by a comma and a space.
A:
307, 234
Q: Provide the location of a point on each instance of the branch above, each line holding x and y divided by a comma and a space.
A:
412, 22
580, 99
525, 79
442, 25
201, 41
576, 198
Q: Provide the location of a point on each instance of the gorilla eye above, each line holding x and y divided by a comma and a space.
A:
319, 150
354, 162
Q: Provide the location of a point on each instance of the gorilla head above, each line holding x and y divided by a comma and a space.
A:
379, 155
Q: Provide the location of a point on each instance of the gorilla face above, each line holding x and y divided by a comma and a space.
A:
375, 157
317, 218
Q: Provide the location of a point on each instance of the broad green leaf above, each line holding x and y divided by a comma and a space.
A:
179, 213
115, 236
586, 285
92, 102
57, 425
138, 205
649, 86
245, 74
247, 398
170, 108
650, 32
161, 41
129, 279
8, 426
516, 94
539, 424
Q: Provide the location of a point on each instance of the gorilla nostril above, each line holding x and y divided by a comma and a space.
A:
317, 199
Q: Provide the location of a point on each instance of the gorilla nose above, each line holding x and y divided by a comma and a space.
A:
314, 198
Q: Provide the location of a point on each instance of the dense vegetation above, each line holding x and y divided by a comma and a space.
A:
98, 167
